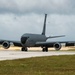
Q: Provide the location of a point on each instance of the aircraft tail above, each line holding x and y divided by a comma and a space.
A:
44, 27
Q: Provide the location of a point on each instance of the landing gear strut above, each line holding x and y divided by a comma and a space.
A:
45, 49
24, 49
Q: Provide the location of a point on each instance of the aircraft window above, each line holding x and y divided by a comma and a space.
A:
23, 39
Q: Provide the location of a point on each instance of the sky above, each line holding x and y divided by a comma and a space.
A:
27, 16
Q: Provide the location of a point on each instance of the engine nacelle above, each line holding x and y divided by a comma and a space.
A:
57, 46
6, 44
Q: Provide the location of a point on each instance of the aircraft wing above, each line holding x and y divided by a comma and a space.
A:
16, 43
51, 44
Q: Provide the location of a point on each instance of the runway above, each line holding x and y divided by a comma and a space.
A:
11, 55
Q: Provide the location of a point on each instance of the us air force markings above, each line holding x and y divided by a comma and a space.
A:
11, 55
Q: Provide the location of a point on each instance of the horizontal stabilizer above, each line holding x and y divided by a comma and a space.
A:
55, 36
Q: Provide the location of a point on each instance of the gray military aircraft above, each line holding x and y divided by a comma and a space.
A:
36, 40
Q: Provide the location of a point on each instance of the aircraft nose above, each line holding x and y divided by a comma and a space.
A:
23, 40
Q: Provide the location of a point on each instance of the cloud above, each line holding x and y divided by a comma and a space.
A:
37, 6
61, 24
13, 26
26, 16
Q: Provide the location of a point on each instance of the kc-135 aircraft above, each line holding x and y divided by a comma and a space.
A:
36, 40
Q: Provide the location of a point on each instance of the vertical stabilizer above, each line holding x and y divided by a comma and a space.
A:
44, 27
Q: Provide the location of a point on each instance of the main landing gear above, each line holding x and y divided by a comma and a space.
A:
45, 49
24, 49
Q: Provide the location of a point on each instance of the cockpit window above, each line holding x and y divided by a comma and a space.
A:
23, 40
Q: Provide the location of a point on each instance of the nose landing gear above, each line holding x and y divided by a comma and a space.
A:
24, 49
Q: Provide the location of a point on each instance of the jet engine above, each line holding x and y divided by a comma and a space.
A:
57, 46
6, 44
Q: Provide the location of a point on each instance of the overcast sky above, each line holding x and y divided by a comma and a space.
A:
26, 16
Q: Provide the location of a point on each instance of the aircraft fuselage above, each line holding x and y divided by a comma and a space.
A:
29, 40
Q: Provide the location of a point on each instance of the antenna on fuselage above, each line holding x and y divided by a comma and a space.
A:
44, 27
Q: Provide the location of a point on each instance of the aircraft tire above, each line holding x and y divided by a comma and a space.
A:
24, 49
45, 49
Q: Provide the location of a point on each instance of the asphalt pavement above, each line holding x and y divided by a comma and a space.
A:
11, 55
